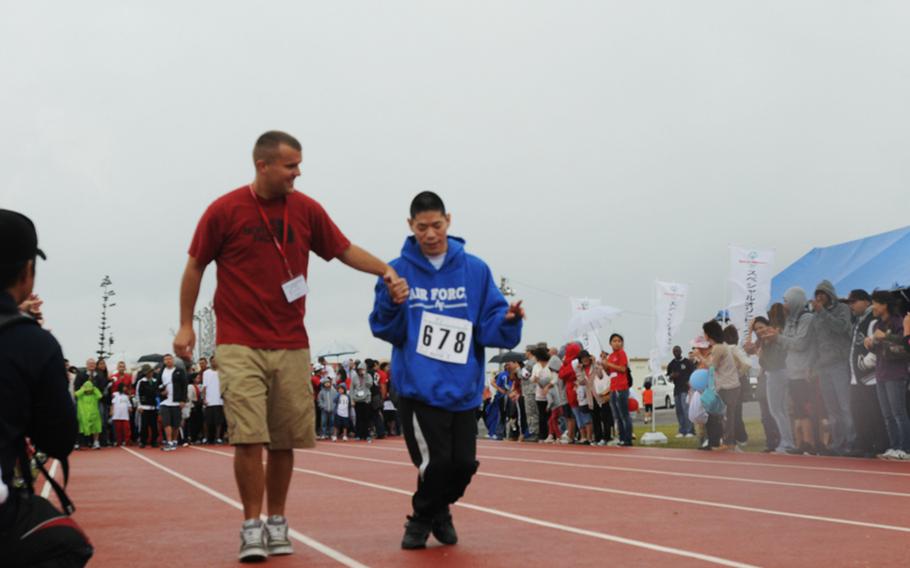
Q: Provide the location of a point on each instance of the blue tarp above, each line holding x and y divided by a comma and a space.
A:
878, 262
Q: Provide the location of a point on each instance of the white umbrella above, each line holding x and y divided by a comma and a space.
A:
591, 320
336, 349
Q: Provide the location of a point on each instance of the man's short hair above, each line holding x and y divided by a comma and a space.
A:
267, 145
427, 201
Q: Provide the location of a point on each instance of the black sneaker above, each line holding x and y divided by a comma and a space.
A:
416, 533
444, 530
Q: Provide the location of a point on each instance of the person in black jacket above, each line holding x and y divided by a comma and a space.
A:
871, 436
147, 393
35, 411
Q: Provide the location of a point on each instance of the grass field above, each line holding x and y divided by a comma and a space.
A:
753, 428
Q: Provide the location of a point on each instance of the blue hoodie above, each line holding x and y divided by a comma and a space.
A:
466, 284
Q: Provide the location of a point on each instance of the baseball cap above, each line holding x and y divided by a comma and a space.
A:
17, 233
857, 295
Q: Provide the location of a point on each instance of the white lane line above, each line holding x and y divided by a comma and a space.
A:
714, 504
46, 490
694, 475
299, 537
635, 455
528, 520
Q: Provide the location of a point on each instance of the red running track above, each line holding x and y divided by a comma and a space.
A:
529, 504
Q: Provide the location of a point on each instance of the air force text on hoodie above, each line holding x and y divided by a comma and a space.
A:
439, 334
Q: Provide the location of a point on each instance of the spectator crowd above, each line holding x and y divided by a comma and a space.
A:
832, 379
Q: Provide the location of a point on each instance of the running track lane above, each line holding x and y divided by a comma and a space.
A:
351, 496
766, 539
138, 515
876, 512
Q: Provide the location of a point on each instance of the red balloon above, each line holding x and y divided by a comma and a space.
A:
633, 405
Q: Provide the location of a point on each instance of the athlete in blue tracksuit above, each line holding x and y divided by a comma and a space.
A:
438, 338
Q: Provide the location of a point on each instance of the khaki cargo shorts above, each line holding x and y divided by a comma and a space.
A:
268, 396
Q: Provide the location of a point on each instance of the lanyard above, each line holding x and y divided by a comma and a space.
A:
265, 220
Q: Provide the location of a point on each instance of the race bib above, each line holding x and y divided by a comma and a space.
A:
445, 338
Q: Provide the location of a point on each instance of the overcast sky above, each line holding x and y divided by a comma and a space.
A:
584, 148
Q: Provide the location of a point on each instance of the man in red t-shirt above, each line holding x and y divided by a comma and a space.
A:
260, 236
121, 376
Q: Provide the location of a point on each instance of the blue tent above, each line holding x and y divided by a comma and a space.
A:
876, 262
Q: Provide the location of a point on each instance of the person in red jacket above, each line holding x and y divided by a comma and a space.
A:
567, 374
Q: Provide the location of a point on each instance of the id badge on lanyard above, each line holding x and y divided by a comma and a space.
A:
295, 287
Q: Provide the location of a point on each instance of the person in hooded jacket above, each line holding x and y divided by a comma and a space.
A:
567, 375
438, 336
831, 327
797, 340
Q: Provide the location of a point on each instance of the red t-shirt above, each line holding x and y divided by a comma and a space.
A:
251, 306
647, 396
619, 382
383, 377
126, 379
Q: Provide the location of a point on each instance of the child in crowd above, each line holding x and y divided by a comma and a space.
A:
326, 402
87, 412
342, 414
647, 398
120, 414
554, 409
390, 414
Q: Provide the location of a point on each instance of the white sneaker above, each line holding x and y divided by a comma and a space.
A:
252, 542
277, 536
690, 435
549, 440
334, 438
564, 439
679, 436
344, 438
888, 455
899, 455
602, 443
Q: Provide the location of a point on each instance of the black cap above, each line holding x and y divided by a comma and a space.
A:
859, 295
20, 241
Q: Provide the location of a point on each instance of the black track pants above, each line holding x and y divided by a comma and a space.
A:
443, 446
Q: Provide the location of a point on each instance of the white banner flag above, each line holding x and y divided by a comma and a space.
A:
589, 341
670, 309
750, 286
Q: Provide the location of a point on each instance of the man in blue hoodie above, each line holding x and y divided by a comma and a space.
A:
438, 338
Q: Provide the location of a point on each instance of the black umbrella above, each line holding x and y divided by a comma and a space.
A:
509, 357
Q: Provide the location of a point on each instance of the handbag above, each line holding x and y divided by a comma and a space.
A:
710, 400
697, 412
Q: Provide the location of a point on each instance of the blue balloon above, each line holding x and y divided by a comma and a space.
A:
699, 380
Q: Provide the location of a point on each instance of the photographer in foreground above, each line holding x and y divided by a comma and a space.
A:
35, 411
